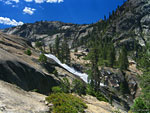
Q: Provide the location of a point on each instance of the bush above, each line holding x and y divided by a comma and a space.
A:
56, 89
38, 44
28, 52
139, 106
97, 94
66, 103
79, 87
42, 58
55, 72
65, 85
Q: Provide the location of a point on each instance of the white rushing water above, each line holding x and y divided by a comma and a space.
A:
83, 76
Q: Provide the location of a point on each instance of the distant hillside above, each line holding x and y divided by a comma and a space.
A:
48, 31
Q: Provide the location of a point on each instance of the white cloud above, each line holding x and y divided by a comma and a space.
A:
48, 1
39, 1
17, 1
8, 21
54, 1
9, 2
28, 0
60, 1
28, 10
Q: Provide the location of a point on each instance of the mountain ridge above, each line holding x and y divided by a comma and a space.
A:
125, 26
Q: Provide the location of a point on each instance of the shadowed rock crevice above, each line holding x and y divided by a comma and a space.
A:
26, 77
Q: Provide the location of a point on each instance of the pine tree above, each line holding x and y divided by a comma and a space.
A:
57, 42
65, 51
62, 53
123, 59
95, 77
111, 56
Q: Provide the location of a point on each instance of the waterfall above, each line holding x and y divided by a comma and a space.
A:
83, 76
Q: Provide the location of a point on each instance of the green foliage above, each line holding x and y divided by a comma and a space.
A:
28, 52
57, 47
97, 94
79, 87
123, 59
42, 58
143, 60
145, 85
66, 103
65, 85
117, 111
34, 90
38, 44
95, 74
142, 103
139, 106
55, 72
111, 56
76, 49
56, 89
62, 51
65, 51
122, 88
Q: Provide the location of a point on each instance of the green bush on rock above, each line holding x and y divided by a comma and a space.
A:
28, 52
42, 58
66, 103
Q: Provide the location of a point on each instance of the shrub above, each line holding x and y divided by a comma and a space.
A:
76, 50
79, 87
56, 89
55, 72
65, 85
97, 94
42, 58
38, 44
66, 103
139, 106
28, 52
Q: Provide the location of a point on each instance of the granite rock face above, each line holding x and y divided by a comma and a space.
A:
130, 23
20, 69
48, 31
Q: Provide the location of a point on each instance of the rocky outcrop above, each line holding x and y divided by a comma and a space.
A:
15, 100
28, 78
20, 69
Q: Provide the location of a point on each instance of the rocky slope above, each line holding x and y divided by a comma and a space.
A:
18, 68
16, 100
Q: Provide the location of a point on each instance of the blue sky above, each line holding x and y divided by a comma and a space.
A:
17, 12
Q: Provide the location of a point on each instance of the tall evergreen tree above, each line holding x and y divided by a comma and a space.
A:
123, 59
65, 52
62, 56
57, 48
111, 56
95, 75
